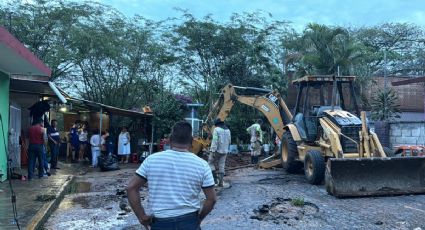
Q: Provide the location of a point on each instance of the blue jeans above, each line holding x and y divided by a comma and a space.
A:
75, 149
95, 153
54, 152
184, 222
45, 162
35, 153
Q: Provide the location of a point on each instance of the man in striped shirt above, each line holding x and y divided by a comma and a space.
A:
176, 178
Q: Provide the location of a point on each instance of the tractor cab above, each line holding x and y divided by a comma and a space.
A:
324, 96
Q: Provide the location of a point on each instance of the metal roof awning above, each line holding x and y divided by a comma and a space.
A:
321, 78
48, 89
109, 109
43, 88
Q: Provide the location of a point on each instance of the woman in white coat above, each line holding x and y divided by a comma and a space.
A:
124, 145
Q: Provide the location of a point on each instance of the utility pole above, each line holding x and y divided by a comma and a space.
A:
385, 82
10, 21
385, 70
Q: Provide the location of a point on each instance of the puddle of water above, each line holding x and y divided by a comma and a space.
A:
83, 187
81, 200
80, 187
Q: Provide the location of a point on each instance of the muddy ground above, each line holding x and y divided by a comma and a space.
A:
258, 199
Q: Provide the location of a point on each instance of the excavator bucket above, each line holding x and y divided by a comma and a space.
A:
375, 176
198, 145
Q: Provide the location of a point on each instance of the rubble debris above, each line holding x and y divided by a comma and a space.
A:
285, 211
45, 197
120, 192
124, 206
379, 222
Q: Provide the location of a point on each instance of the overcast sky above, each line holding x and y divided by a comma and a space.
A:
299, 12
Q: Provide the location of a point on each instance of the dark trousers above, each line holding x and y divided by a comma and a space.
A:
54, 152
254, 159
184, 222
75, 149
35, 153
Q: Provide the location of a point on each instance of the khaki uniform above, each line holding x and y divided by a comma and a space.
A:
219, 149
256, 139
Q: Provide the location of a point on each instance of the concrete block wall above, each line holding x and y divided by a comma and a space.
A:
407, 133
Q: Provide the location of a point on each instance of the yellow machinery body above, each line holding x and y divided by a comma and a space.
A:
324, 139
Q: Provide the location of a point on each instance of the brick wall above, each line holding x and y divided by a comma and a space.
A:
411, 97
407, 133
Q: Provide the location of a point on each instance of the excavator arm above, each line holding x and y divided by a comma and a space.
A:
268, 102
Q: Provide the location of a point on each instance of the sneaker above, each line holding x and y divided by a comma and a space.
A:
48, 174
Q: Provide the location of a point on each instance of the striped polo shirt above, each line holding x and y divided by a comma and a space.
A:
175, 180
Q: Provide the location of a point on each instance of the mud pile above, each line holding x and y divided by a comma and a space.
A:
287, 211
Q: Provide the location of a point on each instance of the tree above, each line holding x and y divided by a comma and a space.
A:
321, 50
243, 52
118, 62
44, 26
167, 111
402, 42
385, 105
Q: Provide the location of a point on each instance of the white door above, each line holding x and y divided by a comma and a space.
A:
14, 133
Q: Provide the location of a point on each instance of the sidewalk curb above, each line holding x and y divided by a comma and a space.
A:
44, 213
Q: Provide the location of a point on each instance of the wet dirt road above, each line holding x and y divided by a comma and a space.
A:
258, 199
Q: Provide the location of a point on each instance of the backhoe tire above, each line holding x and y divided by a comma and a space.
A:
314, 167
289, 154
389, 152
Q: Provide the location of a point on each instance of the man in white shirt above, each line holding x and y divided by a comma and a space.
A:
176, 177
96, 141
219, 149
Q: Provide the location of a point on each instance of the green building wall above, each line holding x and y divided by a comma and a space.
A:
4, 111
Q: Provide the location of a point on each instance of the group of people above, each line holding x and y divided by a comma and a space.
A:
43, 134
78, 137
100, 142
175, 177
220, 143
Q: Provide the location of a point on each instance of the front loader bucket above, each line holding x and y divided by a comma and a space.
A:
375, 176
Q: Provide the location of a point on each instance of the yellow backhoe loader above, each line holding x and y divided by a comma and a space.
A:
327, 138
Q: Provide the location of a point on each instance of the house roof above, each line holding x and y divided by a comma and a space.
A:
408, 81
17, 59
